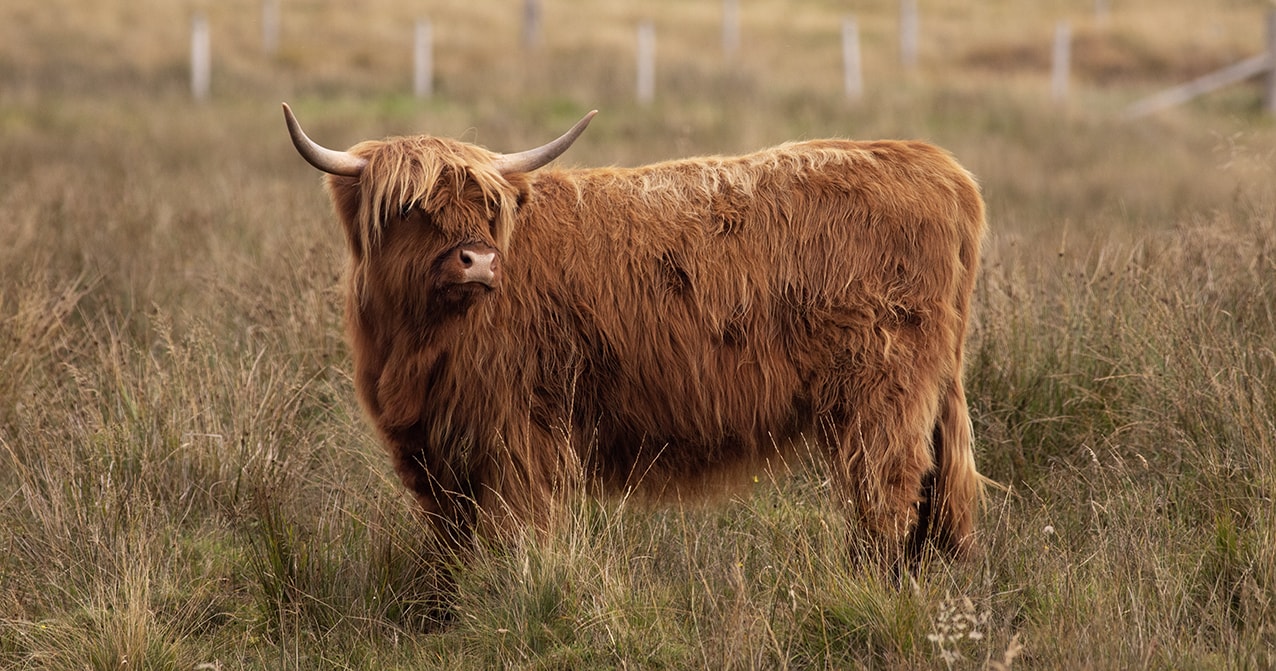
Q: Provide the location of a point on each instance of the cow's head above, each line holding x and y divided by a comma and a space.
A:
428, 220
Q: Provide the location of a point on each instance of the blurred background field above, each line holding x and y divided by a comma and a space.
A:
187, 481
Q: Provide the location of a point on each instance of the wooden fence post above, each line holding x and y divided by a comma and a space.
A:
270, 26
1270, 101
730, 28
423, 59
201, 61
853, 75
1060, 66
646, 62
908, 29
531, 24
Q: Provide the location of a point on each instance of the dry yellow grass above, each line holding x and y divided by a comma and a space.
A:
185, 478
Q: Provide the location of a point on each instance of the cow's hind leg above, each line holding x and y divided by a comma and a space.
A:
880, 461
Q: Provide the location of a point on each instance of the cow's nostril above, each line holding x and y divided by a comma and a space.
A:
467, 259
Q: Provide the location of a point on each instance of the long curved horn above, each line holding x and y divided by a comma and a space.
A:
527, 161
327, 160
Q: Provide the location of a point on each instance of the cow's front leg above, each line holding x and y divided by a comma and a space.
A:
444, 498
523, 483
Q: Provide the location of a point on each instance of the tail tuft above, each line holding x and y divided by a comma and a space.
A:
955, 488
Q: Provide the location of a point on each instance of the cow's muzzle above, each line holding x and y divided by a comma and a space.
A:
478, 264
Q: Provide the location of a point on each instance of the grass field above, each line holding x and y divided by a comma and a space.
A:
186, 481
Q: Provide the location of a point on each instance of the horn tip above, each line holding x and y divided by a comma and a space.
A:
290, 118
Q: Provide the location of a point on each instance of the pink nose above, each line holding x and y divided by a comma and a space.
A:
479, 266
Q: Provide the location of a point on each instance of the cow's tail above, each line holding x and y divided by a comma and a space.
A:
955, 486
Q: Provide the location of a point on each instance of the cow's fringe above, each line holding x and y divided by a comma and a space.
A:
451, 182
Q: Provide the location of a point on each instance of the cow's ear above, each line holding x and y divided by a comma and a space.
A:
522, 184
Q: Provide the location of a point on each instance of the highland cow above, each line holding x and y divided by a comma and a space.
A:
519, 333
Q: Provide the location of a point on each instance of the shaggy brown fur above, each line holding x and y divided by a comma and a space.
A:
655, 325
